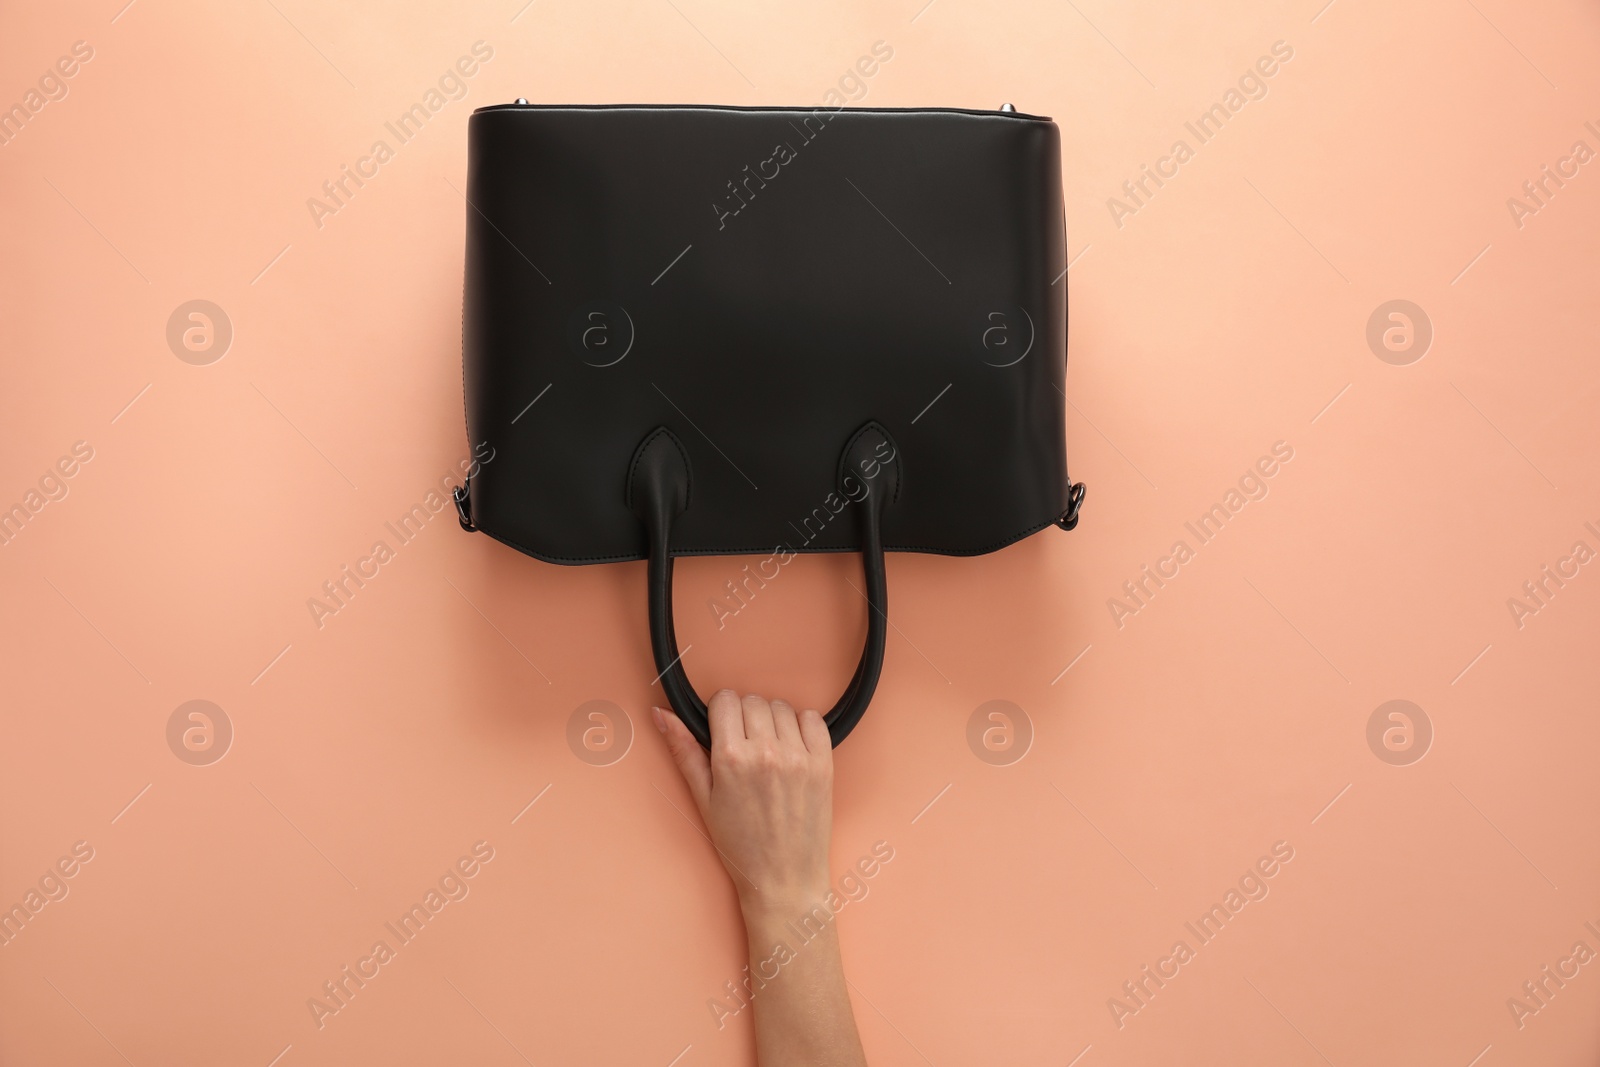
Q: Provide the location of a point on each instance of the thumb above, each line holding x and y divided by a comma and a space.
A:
688, 755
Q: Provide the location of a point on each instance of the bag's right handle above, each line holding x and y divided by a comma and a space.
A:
659, 490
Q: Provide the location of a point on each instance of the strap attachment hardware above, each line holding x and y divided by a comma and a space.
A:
464, 505
1075, 494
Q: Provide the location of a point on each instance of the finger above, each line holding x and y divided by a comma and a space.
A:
727, 719
688, 755
758, 718
786, 725
814, 731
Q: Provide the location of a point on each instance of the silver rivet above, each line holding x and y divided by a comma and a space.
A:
1007, 107
524, 100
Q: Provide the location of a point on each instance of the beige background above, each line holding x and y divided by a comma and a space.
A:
1228, 313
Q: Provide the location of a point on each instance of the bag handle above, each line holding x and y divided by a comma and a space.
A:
659, 490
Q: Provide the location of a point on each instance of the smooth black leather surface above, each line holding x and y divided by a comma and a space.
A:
626, 269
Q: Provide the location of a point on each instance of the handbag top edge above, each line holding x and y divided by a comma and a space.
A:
1006, 115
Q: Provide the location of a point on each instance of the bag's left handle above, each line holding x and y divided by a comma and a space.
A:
660, 487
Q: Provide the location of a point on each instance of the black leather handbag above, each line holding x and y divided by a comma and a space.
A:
718, 330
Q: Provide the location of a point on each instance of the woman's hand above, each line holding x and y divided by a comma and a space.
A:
766, 794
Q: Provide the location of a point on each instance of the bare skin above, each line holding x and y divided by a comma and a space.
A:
766, 795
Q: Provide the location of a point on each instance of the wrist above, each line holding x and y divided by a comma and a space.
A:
765, 910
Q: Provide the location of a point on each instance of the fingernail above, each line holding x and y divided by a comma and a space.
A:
660, 717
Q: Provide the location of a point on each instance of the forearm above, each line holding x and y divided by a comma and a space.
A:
802, 1007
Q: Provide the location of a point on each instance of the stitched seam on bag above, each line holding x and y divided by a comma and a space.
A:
633, 467
871, 424
718, 551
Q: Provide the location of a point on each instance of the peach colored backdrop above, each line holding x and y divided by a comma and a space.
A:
1149, 757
